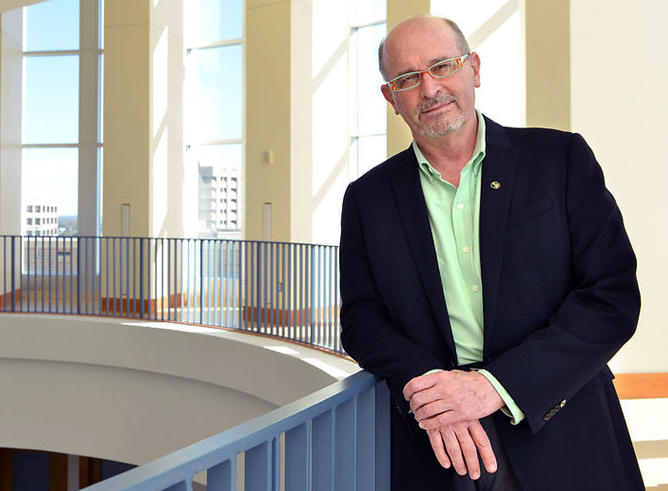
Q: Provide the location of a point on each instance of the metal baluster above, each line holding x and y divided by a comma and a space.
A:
222, 477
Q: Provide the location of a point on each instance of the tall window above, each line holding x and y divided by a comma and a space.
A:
368, 125
56, 79
214, 113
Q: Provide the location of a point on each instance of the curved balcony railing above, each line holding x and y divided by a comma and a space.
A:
336, 439
285, 290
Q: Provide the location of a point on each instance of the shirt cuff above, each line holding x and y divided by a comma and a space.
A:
511, 409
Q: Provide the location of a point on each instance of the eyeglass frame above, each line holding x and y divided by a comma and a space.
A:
463, 58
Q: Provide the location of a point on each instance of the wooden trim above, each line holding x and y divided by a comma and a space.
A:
258, 316
6, 469
57, 472
641, 385
115, 305
6, 298
90, 471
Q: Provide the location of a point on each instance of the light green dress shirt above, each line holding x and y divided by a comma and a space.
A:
454, 217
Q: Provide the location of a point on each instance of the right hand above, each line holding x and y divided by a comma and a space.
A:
459, 444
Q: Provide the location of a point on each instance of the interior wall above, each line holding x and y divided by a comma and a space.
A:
495, 29
268, 158
134, 391
619, 103
143, 117
11, 90
325, 82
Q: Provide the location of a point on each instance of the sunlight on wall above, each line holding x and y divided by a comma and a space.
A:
620, 109
330, 118
160, 81
160, 187
495, 31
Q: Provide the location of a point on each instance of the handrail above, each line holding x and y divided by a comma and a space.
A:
336, 438
285, 290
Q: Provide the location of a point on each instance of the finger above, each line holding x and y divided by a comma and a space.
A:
446, 418
468, 450
430, 410
484, 446
417, 384
437, 446
452, 447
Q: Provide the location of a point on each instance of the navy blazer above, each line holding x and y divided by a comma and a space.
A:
560, 297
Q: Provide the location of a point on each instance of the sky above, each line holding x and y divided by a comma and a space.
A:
51, 105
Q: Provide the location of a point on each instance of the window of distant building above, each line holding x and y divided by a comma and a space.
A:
368, 126
214, 107
62, 105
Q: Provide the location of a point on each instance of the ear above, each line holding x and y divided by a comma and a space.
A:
474, 60
389, 96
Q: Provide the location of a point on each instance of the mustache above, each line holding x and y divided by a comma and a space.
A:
439, 99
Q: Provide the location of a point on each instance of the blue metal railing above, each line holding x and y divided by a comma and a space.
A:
281, 289
334, 439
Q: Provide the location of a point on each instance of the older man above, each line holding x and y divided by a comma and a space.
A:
486, 274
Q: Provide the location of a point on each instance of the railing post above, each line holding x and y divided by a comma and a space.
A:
13, 273
382, 437
142, 313
201, 281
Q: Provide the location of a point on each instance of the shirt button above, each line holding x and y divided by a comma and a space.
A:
465, 249
460, 206
475, 288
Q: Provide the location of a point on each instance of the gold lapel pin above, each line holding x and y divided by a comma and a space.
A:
495, 184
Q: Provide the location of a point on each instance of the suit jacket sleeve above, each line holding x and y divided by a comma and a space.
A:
369, 332
592, 306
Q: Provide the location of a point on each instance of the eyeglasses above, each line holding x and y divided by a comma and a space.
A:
440, 69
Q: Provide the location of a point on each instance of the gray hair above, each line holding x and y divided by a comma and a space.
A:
461, 40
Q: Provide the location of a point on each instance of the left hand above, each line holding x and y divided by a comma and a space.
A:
460, 444
450, 397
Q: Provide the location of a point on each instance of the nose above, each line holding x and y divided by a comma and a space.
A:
429, 86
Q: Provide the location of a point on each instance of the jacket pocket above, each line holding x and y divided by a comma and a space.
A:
529, 211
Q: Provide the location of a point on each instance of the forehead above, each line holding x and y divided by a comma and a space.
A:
417, 44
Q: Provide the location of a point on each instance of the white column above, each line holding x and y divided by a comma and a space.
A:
89, 83
11, 84
143, 117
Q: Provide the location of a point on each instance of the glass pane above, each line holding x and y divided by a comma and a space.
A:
209, 21
369, 152
370, 113
50, 178
367, 11
51, 110
220, 186
52, 25
215, 101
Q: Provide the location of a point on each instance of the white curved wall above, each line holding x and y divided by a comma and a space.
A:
133, 391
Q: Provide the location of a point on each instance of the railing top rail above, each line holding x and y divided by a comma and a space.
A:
169, 470
201, 239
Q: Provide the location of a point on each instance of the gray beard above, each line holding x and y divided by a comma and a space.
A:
439, 128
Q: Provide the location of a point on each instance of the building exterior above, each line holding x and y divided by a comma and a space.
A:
39, 219
219, 202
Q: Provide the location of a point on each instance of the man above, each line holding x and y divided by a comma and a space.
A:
486, 274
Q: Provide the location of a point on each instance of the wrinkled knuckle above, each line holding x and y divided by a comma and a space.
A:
469, 451
484, 444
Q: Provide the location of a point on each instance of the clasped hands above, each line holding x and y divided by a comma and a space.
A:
449, 406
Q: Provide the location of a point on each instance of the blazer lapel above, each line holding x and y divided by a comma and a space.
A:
412, 208
498, 173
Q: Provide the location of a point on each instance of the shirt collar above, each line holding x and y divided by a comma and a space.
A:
475, 162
